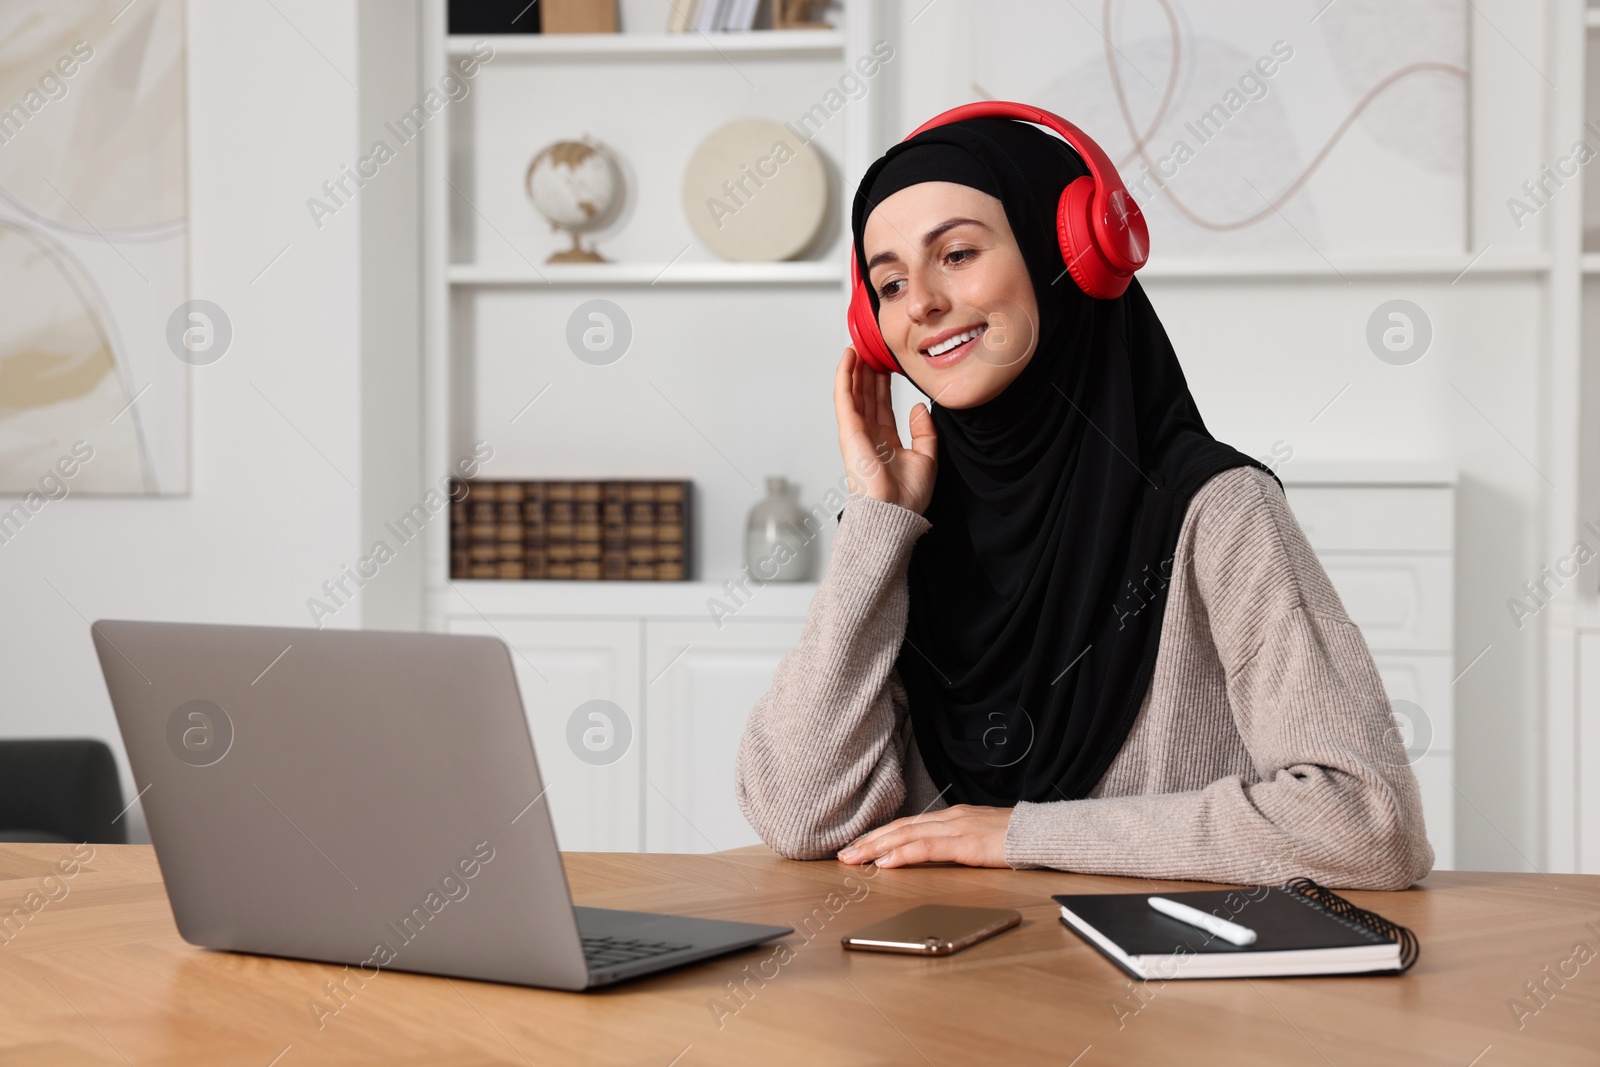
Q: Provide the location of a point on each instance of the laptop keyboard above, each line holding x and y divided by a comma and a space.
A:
604, 952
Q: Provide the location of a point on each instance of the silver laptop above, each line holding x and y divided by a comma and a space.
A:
366, 798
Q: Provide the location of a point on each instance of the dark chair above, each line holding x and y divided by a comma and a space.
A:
60, 790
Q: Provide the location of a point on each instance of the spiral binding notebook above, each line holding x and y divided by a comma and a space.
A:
1301, 928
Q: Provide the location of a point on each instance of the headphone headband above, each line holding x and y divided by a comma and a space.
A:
1109, 193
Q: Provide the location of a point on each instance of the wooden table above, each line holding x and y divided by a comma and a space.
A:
100, 976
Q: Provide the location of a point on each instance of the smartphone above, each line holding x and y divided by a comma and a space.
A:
932, 930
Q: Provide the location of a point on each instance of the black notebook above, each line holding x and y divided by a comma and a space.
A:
1301, 928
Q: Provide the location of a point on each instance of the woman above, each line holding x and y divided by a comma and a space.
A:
1066, 627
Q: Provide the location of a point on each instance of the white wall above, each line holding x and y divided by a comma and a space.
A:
390, 224
271, 515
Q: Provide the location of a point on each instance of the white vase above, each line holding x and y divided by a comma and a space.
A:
777, 547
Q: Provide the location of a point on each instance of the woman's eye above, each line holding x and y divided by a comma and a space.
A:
955, 257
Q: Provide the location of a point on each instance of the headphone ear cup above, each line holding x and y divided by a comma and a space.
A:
1081, 249
864, 331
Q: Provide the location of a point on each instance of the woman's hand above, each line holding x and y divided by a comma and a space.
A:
967, 834
874, 460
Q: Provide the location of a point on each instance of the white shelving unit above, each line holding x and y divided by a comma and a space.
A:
491, 299
711, 338
1572, 632
728, 374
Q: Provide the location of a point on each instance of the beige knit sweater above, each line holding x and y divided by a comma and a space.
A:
1264, 748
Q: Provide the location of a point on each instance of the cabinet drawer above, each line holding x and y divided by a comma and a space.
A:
1400, 602
1375, 518
1425, 682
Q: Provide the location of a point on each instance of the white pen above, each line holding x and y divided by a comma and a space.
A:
1228, 931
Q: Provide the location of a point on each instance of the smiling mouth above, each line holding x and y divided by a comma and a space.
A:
955, 341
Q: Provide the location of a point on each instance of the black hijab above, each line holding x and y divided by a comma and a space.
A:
1036, 598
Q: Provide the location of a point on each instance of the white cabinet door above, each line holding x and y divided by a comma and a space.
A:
700, 684
590, 754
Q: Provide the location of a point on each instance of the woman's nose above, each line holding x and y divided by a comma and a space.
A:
928, 297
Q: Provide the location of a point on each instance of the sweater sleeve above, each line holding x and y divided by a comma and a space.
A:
826, 753
1333, 796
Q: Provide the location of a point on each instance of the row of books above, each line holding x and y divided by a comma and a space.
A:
575, 530
713, 16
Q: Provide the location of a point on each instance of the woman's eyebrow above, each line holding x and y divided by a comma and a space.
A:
927, 239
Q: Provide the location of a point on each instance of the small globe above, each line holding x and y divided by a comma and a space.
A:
576, 186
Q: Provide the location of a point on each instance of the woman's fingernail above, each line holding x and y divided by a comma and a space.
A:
849, 855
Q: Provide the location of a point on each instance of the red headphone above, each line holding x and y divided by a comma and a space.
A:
1101, 231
